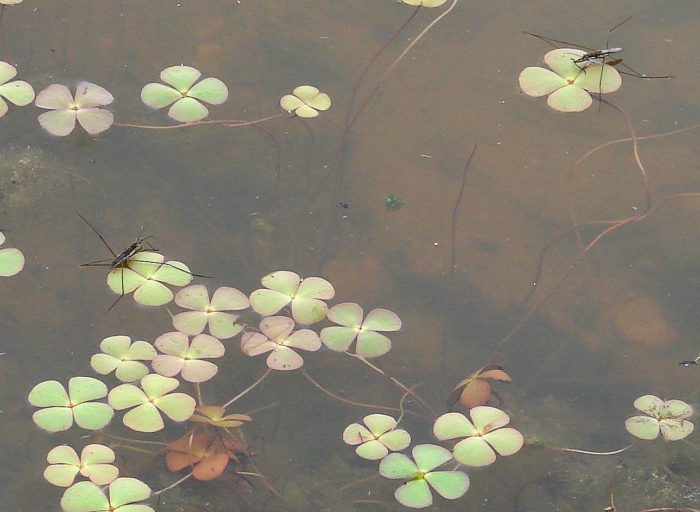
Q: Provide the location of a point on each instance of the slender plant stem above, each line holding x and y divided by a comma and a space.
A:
249, 388
345, 400
399, 58
198, 392
347, 124
265, 481
225, 122
174, 484
649, 208
587, 452
126, 439
134, 449
630, 139
453, 252
398, 383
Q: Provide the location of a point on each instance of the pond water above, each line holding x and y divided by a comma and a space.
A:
378, 210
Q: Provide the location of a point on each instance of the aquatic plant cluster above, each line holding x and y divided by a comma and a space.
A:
215, 440
153, 383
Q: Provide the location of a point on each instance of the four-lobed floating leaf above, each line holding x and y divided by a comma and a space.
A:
124, 493
121, 356
60, 408
17, 92
376, 437
184, 95
11, 260
94, 463
204, 312
145, 274
424, 3
180, 356
420, 476
351, 325
569, 84
483, 435
669, 418
305, 101
276, 337
305, 295
149, 400
85, 108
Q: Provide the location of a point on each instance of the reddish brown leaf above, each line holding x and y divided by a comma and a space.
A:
211, 467
476, 393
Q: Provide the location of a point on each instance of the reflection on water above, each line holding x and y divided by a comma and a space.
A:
237, 203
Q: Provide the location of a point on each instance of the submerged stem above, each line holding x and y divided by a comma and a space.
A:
397, 383
225, 122
587, 452
249, 388
345, 400
174, 484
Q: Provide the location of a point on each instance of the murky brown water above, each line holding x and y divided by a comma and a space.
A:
236, 203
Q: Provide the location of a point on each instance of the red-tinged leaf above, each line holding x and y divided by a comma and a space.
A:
175, 461
477, 392
211, 467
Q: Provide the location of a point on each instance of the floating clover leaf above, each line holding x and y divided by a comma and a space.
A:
376, 438
208, 455
184, 95
11, 260
64, 110
569, 84
420, 476
474, 390
305, 101
123, 356
181, 356
94, 463
144, 276
369, 342
221, 325
277, 338
424, 3
284, 287
483, 435
123, 492
17, 92
668, 417
215, 415
153, 396
61, 408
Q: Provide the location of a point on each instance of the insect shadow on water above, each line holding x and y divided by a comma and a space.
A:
604, 56
128, 255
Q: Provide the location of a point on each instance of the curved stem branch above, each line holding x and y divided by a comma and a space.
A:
249, 388
587, 452
174, 484
397, 383
225, 122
